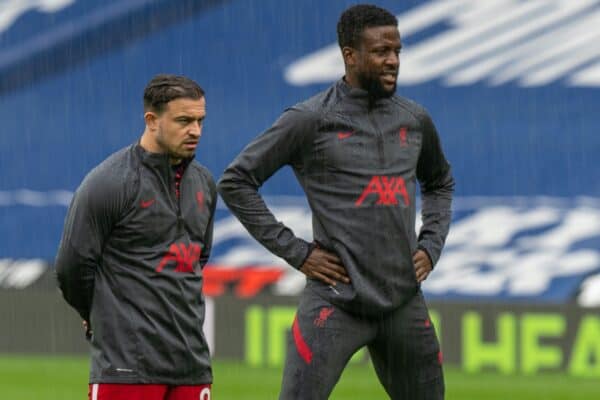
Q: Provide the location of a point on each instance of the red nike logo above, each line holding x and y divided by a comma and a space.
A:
344, 135
146, 204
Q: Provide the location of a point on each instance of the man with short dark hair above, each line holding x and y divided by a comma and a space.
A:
136, 237
358, 150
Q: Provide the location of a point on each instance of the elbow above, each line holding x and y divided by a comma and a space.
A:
60, 271
449, 184
443, 185
63, 275
224, 187
445, 189
63, 283
446, 181
232, 182
60, 276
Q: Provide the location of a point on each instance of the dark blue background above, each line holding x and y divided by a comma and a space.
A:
58, 123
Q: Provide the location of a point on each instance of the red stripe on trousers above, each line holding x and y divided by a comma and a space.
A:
301, 345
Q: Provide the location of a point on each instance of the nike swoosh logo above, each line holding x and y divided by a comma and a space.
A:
344, 135
146, 204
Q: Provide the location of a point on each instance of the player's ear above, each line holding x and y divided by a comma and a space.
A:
349, 55
151, 120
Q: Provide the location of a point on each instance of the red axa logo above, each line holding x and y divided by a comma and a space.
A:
387, 189
184, 256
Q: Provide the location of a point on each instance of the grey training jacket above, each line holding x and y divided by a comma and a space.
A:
358, 161
130, 262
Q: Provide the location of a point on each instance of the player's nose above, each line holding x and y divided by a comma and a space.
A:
195, 130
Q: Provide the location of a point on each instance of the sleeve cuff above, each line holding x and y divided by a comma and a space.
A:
311, 247
421, 247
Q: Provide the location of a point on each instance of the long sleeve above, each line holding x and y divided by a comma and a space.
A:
437, 186
88, 223
208, 236
280, 145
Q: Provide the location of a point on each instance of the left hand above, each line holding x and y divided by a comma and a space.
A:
87, 329
423, 265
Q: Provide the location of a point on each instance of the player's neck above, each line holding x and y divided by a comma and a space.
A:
149, 144
352, 81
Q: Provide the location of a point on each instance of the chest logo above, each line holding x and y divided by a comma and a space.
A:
403, 137
387, 189
146, 203
344, 135
200, 200
184, 256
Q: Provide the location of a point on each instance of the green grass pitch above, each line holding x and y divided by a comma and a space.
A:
64, 378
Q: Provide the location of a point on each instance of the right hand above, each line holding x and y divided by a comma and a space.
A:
325, 266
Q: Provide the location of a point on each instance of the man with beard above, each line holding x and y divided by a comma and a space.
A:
357, 149
136, 237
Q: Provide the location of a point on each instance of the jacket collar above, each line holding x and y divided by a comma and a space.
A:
359, 95
351, 91
159, 161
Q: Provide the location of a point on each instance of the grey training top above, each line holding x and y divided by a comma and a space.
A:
358, 161
130, 262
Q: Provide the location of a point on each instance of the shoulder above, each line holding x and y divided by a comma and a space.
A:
322, 102
115, 177
412, 107
302, 113
307, 115
204, 176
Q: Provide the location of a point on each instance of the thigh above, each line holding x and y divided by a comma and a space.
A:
119, 391
406, 354
189, 392
322, 341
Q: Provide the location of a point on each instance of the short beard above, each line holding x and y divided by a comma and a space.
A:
173, 156
374, 87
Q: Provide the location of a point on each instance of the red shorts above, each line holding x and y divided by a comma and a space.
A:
111, 391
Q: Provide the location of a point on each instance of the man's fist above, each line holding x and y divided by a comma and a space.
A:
87, 328
423, 265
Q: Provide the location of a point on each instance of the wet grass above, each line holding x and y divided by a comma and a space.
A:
65, 378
